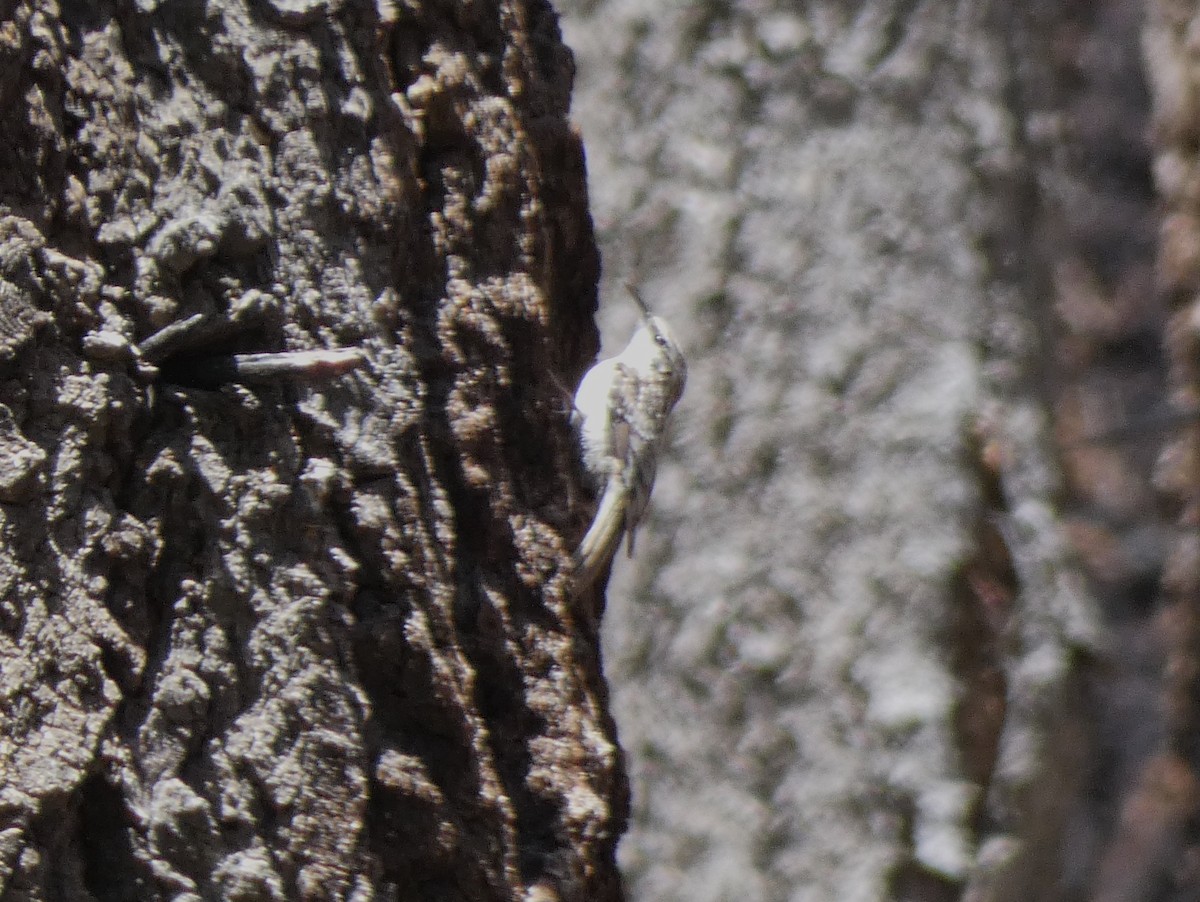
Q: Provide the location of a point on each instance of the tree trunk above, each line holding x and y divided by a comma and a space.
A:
908, 245
309, 638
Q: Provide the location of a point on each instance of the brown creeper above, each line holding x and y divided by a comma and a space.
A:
622, 405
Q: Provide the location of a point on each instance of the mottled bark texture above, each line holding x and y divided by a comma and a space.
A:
309, 640
905, 243
1158, 844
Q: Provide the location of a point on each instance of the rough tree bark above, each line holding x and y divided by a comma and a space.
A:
301, 640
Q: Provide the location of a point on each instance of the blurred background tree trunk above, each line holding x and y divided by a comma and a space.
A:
898, 625
311, 639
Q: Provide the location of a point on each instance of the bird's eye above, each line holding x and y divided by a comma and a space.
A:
660, 339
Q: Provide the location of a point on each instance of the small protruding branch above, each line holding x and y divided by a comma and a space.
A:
259, 368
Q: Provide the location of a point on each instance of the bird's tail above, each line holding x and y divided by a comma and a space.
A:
604, 535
